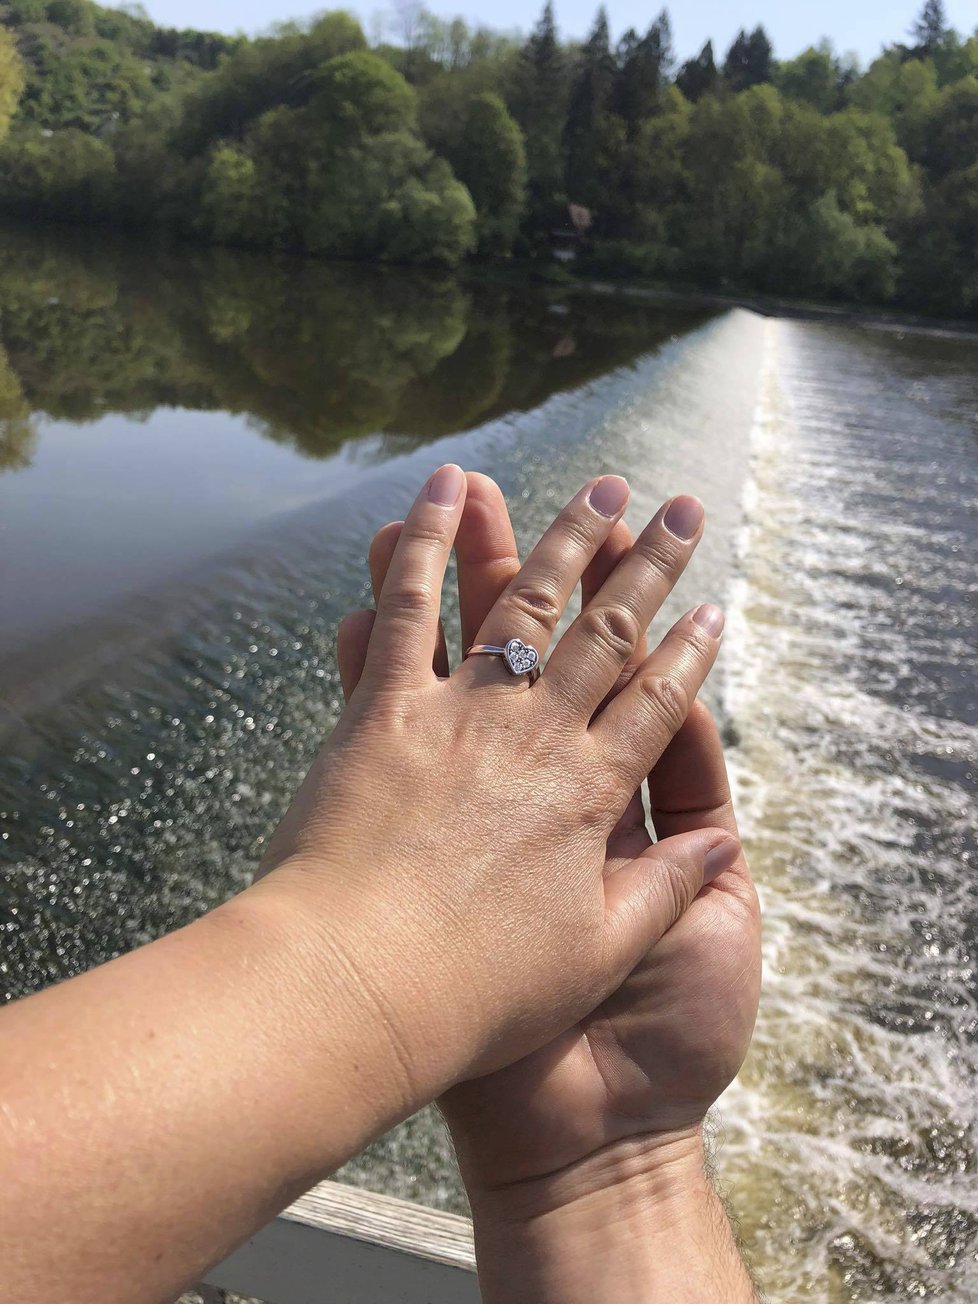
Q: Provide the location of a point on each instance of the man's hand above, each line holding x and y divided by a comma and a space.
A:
617, 1102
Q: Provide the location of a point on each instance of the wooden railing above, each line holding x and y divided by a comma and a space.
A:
340, 1245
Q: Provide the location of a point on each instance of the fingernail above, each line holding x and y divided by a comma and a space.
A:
684, 516
445, 485
609, 495
709, 618
720, 858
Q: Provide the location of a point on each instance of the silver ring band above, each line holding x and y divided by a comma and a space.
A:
518, 657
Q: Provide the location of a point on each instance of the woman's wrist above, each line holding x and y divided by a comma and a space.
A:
638, 1220
346, 1074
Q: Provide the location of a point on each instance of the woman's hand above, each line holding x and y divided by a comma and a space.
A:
450, 846
639, 1073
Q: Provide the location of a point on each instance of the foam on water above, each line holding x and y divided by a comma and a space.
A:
846, 560
850, 1141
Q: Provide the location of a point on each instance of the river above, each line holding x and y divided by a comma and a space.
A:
194, 451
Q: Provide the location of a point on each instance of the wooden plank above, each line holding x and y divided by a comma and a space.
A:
341, 1245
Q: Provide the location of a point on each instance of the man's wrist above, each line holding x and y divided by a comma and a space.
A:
659, 1169
637, 1220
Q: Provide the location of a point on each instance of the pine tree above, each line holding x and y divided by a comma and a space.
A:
540, 107
644, 64
749, 60
931, 29
588, 110
698, 76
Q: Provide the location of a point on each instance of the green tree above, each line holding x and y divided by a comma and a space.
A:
592, 136
360, 94
346, 176
490, 160
815, 77
66, 175
655, 182
952, 135
931, 29
699, 76
12, 80
903, 91
539, 104
231, 208
749, 61
278, 69
644, 65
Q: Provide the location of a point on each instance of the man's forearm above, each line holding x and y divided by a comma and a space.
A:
634, 1224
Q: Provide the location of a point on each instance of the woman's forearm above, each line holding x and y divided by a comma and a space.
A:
156, 1111
634, 1224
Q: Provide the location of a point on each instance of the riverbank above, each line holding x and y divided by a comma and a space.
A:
559, 278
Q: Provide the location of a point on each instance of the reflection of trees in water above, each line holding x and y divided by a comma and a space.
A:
314, 354
18, 437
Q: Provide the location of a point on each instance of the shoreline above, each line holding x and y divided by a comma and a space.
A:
522, 272
541, 275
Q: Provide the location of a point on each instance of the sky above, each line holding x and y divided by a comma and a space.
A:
861, 26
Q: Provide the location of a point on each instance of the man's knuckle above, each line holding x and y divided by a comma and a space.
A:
409, 598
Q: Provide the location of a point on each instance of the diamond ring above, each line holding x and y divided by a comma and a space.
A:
519, 657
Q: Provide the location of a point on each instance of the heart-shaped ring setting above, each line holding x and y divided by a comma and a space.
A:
520, 658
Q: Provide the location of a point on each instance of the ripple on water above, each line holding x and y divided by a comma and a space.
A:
855, 703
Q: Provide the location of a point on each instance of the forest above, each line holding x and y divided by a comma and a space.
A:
737, 172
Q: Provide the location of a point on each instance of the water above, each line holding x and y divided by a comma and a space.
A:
197, 452
851, 1138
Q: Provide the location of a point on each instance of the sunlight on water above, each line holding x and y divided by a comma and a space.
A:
840, 476
850, 1140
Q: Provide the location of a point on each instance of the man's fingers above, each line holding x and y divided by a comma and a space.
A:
645, 897
379, 558
352, 641
533, 602
405, 633
638, 726
381, 554
689, 786
614, 550
486, 550
589, 660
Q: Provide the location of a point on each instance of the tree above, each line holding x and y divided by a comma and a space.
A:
279, 69
230, 204
931, 30
589, 133
345, 176
66, 176
815, 77
359, 94
699, 76
749, 60
490, 160
905, 92
952, 135
12, 80
539, 102
644, 64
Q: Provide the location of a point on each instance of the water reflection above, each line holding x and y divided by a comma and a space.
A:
313, 354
